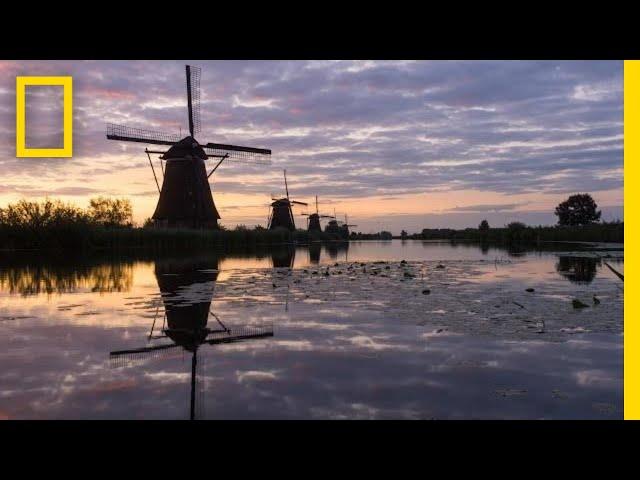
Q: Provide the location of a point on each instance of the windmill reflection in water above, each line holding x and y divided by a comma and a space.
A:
187, 289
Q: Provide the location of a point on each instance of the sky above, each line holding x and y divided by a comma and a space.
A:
393, 144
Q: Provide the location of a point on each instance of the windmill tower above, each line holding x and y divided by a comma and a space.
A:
313, 220
186, 325
185, 199
281, 215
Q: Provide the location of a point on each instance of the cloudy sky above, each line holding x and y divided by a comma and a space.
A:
394, 144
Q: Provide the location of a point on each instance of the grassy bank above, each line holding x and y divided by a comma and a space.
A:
107, 224
518, 233
83, 237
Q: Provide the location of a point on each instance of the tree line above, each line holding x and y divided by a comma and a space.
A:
578, 220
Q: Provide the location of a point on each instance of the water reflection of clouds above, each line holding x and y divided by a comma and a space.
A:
325, 361
450, 377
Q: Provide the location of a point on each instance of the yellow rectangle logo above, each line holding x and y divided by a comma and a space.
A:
67, 148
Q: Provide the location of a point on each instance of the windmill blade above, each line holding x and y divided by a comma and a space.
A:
139, 135
327, 216
299, 203
238, 335
123, 358
259, 156
135, 351
193, 98
286, 187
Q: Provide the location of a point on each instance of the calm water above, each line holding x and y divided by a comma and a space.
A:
345, 331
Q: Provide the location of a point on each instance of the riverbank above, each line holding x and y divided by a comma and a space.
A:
518, 233
87, 237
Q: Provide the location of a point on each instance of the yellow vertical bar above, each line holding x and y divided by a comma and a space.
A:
20, 116
631, 237
68, 116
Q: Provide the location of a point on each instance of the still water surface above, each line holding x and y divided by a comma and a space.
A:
338, 331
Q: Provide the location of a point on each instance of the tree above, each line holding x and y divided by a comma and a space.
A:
404, 234
484, 226
44, 214
111, 212
516, 232
516, 226
579, 209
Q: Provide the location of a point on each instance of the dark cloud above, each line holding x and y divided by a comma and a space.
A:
488, 208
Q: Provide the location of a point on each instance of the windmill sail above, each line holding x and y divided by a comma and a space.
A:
193, 99
260, 156
140, 135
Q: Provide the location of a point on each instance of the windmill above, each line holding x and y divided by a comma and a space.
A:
345, 226
185, 199
336, 227
281, 215
313, 220
186, 289
333, 225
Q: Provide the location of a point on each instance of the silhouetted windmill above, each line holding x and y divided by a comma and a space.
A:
281, 215
313, 220
345, 226
185, 196
187, 289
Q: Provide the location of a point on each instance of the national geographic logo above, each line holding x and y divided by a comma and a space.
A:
67, 147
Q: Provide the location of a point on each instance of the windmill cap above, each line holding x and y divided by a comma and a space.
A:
186, 146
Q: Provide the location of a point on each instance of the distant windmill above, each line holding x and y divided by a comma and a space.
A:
313, 220
281, 215
333, 226
346, 225
185, 196
336, 227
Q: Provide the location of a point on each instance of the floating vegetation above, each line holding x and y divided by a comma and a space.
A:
511, 392
455, 295
578, 304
